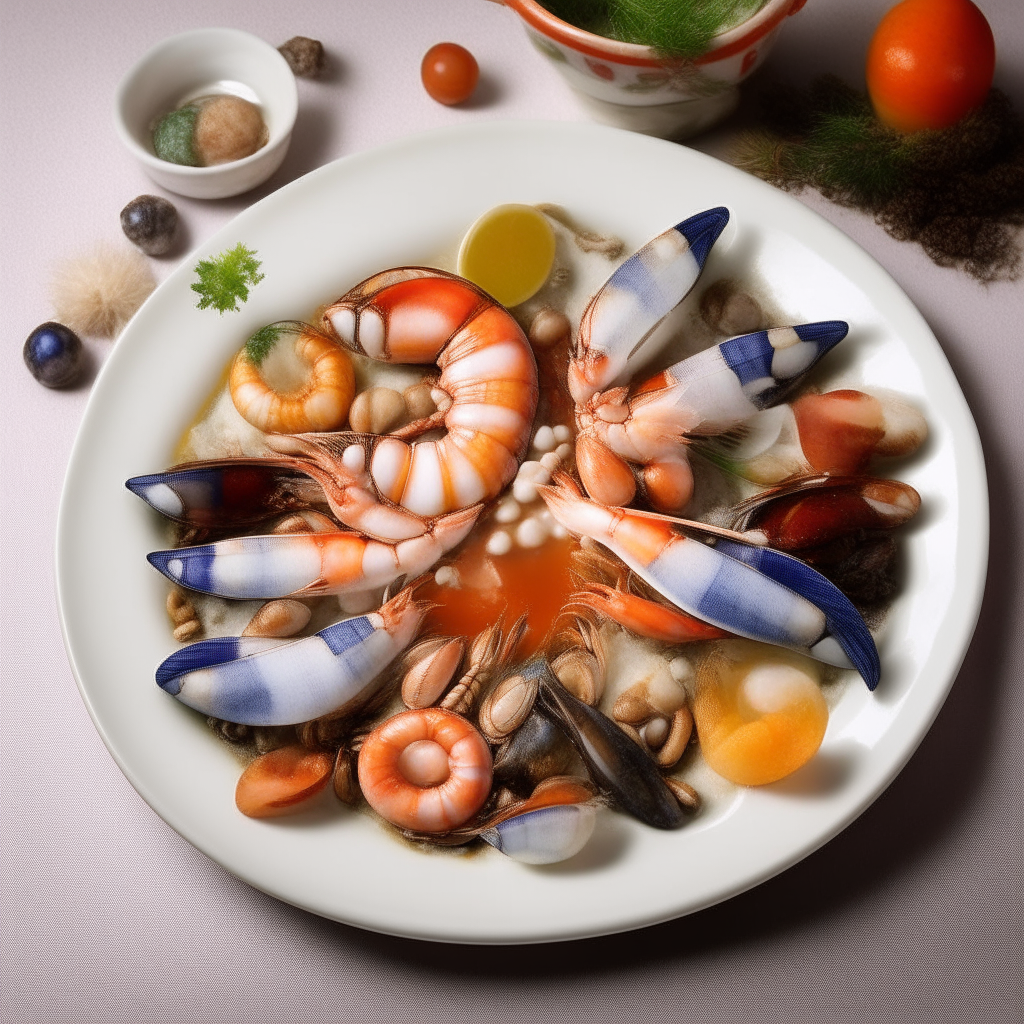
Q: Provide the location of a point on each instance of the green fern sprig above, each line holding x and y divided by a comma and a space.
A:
225, 280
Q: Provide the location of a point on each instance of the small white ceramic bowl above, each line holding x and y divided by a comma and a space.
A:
204, 62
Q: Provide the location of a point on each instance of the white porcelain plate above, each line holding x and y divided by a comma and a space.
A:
404, 204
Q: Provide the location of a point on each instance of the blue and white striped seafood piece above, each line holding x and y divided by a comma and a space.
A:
545, 836
711, 392
637, 297
229, 492
266, 682
757, 597
308, 564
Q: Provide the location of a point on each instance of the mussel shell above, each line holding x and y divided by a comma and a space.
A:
229, 492
544, 836
537, 750
816, 511
619, 767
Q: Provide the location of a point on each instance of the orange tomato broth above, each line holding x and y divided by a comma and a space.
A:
531, 581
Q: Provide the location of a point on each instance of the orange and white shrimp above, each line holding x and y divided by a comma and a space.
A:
321, 402
392, 486
308, 564
428, 770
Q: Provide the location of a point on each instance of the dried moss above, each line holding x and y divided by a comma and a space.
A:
959, 192
678, 28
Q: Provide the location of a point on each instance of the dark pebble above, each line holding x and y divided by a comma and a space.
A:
305, 56
151, 223
54, 355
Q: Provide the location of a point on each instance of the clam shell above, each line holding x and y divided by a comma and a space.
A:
545, 836
507, 706
432, 664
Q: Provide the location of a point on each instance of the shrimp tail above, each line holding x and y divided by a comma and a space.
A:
846, 628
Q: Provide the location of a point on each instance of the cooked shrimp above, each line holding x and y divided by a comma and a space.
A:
637, 297
712, 392
308, 564
750, 591
427, 770
261, 681
320, 403
646, 618
486, 398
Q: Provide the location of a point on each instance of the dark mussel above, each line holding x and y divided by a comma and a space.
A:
620, 769
537, 750
229, 492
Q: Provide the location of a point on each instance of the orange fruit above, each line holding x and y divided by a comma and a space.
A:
930, 62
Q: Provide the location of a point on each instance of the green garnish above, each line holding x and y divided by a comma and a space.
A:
226, 279
172, 137
678, 28
258, 347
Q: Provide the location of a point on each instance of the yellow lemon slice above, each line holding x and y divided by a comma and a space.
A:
508, 252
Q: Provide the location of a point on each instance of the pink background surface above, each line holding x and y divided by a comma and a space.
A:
913, 913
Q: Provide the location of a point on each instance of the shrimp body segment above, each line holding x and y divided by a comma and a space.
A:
637, 297
486, 393
755, 596
428, 770
266, 682
308, 564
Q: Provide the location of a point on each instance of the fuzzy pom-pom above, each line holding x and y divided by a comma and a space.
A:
98, 292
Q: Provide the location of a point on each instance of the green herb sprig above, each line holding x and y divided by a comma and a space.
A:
226, 279
258, 347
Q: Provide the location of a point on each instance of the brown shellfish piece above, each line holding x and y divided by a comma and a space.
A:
679, 734
282, 618
430, 666
507, 706
582, 667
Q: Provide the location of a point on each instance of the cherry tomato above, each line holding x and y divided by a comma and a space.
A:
450, 73
930, 62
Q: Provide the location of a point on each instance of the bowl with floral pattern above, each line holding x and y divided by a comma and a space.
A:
636, 87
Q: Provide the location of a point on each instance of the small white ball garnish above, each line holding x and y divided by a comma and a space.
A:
531, 533
559, 531
562, 433
532, 470
544, 439
499, 543
508, 511
681, 669
524, 491
447, 576
564, 452
550, 461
